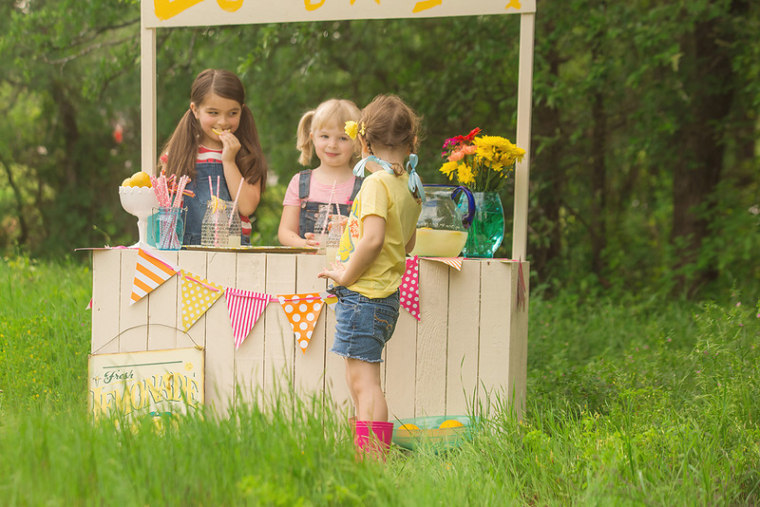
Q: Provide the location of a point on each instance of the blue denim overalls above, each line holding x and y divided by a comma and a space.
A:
310, 209
196, 206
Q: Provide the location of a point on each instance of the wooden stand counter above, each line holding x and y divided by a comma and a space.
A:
467, 352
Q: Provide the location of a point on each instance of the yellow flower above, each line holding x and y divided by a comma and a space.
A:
351, 129
449, 168
465, 174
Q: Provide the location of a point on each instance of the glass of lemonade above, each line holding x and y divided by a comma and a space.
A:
332, 240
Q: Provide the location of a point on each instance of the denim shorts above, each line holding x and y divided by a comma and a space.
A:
363, 325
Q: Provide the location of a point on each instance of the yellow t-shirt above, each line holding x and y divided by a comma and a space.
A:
387, 196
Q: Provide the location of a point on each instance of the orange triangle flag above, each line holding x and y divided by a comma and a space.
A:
150, 272
302, 311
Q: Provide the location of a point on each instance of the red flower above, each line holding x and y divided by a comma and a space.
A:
469, 137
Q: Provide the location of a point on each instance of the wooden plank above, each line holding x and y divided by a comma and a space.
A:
401, 370
193, 262
495, 302
279, 344
249, 358
430, 385
173, 13
106, 289
162, 308
220, 343
133, 319
309, 365
335, 369
463, 338
518, 340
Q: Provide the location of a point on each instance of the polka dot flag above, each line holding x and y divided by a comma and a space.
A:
409, 295
302, 311
197, 297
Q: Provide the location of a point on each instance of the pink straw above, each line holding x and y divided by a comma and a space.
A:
235, 202
216, 215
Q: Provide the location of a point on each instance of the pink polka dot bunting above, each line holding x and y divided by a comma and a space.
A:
409, 295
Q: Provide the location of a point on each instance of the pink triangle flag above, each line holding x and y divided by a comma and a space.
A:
409, 296
245, 307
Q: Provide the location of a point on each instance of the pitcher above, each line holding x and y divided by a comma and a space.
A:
442, 227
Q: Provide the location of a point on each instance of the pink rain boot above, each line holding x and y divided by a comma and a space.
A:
373, 438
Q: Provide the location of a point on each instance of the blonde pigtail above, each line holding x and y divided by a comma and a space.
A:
304, 143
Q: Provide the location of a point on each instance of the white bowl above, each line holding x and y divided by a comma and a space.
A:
138, 201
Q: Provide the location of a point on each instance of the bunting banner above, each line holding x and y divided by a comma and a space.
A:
409, 296
302, 311
245, 308
197, 297
89, 305
454, 262
150, 272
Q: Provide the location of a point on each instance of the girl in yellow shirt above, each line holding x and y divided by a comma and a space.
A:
371, 258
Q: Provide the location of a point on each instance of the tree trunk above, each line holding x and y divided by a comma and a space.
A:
710, 88
547, 126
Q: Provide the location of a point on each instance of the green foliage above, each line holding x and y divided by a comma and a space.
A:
628, 111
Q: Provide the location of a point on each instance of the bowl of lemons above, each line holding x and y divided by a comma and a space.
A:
138, 198
441, 432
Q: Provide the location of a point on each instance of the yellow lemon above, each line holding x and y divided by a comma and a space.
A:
127, 182
141, 179
451, 423
409, 427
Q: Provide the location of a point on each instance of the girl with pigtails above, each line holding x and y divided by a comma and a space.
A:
372, 258
216, 138
321, 133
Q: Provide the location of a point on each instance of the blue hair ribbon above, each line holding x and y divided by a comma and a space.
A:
360, 165
415, 183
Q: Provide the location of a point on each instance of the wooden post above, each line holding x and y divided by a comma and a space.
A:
522, 169
148, 99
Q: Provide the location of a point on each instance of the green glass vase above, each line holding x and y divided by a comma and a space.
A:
487, 230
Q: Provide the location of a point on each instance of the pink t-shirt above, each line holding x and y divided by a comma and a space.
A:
319, 192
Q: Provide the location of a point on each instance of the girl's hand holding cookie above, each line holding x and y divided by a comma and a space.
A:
230, 145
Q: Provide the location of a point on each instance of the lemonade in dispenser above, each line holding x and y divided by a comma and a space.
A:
442, 227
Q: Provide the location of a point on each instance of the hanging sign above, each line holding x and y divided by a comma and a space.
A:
167, 13
157, 382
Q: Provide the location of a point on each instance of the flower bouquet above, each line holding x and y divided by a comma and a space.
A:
482, 163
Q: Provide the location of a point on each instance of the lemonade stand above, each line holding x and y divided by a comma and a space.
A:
460, 346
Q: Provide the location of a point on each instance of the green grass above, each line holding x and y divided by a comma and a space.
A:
631, 401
